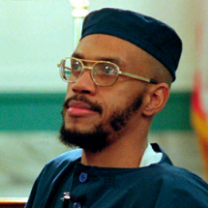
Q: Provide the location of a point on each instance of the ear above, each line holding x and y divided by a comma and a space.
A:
155, 99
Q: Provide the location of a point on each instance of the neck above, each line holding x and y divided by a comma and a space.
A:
124, 152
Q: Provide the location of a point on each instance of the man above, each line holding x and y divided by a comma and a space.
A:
118, 78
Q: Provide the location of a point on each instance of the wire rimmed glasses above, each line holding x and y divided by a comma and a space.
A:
103, 73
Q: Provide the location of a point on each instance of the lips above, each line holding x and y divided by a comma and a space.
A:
78, 108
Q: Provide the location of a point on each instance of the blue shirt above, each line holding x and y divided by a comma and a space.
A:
160, 185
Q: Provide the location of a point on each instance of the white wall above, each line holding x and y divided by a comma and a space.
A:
36, 34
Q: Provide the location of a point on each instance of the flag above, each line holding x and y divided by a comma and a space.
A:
199, 113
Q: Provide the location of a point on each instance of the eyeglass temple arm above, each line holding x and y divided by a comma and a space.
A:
138, 77
58, 65
61, 63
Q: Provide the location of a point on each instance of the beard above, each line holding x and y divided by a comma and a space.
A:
93, 141
97, 139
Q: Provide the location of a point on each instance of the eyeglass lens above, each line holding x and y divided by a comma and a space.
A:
103, 73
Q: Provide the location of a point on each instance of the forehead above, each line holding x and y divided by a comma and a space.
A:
106, 47
100, 45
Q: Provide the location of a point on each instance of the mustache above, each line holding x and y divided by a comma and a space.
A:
94, 106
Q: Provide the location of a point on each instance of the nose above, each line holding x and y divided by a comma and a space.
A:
85, 84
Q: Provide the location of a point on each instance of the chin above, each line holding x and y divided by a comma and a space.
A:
92, 140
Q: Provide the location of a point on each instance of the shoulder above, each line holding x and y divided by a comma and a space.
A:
64, 159
171, 173
59, 164
175, 186
180, 186
50, 176
178, 177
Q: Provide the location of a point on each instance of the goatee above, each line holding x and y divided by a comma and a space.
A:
92, 141
96, 139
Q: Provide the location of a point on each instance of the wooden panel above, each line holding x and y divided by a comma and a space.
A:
12, 202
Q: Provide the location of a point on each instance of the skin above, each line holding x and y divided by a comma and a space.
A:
128, 144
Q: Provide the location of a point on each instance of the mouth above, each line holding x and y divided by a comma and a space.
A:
78, 106
78, 109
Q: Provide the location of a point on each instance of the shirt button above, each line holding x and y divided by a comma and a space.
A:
77, 205
83, 177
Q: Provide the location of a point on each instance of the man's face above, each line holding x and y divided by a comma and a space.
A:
95, 117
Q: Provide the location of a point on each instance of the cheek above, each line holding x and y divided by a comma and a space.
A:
114, 99
126, 92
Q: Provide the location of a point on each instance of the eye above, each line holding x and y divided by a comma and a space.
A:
109, 70
76, 66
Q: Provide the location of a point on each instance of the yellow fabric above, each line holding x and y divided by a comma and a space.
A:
200, 125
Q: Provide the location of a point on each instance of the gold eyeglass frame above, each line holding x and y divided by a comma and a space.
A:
61, 67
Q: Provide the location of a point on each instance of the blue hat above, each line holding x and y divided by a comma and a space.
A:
153, 36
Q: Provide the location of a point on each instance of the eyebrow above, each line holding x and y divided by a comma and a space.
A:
112, 59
